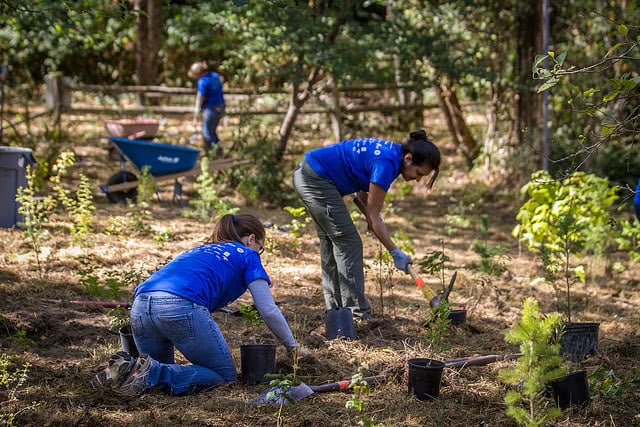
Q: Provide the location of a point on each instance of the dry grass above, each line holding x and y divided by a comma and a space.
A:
71, 342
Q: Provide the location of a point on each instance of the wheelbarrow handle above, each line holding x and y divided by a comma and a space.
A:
344, 384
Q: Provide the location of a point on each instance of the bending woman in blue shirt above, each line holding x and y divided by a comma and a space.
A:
367, 167
172, 309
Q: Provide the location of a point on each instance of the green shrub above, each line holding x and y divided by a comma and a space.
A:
560, 219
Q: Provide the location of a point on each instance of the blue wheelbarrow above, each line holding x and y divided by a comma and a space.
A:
165, 162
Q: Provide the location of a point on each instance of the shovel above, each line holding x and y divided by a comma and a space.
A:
462, 362
299, 392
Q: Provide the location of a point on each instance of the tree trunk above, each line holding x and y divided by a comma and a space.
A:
149, 29
456, 122
529, 28
296, 101
298, 97
334, 108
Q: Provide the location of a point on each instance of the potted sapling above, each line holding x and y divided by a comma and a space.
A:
256, 359
557, 221
434, 264
539, 364
120, 321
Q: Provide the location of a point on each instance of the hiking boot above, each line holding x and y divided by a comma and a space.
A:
218, 150
119, 367
136, 382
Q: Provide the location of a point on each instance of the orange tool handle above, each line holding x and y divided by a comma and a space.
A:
417, 279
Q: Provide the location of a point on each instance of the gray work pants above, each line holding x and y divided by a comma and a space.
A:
340, 242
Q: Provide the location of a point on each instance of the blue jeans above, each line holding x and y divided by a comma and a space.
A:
161, 321
637, 209
210, 119
341, 249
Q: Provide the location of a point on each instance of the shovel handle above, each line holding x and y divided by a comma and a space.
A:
344, 384
104, 304
479, 360
417, 279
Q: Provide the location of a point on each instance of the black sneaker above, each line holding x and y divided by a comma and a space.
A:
119, 367
218, 150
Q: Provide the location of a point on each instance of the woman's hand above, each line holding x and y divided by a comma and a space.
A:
301, 354
400, 259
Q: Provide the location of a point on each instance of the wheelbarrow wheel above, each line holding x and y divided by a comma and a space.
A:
124, 195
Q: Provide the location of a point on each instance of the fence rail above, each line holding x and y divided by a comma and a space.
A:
60, 98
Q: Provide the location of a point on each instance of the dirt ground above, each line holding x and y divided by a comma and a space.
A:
65, 344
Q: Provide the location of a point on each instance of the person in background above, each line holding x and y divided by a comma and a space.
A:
209, 101
366, 167
636, 201
172, 309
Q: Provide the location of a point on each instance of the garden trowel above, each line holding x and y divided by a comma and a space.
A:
278, 395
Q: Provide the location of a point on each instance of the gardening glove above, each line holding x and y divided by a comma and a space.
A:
302, 354
400, 260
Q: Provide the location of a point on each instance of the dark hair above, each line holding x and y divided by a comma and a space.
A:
423, 152
232, 228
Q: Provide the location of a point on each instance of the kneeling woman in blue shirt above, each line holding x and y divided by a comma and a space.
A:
173, 309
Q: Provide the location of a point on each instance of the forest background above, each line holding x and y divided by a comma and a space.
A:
506, 88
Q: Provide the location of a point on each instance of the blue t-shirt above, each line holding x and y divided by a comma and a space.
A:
210, 87
636, 198
211, 275
353, 164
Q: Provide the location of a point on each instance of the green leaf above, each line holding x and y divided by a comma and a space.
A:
622, 29
610, 97
613, 48
537, 61
561, 58
548, 84
590, 92
607, 129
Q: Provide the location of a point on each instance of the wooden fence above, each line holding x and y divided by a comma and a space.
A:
179, 101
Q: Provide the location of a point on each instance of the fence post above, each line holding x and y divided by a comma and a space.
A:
57, 95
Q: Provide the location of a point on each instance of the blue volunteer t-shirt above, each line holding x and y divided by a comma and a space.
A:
636, 198
211, 275
353, 164
210, 87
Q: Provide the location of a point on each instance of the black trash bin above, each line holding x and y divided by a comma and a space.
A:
13, 164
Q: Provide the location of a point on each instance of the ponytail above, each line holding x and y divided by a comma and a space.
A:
232, 228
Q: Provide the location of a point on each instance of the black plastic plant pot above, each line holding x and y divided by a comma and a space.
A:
579, 340
458, 316
571, 390
256, 360
424, 378
339, 323
127, 342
